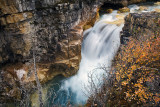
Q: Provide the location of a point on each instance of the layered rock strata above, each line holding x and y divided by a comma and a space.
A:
50, 29
141, 26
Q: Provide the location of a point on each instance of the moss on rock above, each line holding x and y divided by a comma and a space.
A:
123, 10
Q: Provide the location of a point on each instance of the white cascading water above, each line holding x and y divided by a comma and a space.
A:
99, 46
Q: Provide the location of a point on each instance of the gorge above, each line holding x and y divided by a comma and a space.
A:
53, 29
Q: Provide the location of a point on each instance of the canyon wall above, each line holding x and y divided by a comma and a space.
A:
141, 26
42, 25
52, 29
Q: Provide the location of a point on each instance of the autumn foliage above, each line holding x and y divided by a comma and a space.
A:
135, 76
138, 70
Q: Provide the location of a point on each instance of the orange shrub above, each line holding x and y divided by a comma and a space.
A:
137, 69
134, 79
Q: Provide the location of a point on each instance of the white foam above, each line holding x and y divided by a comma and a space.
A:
98, 50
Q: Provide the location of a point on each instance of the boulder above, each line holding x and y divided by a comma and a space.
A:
124, 10
109, 10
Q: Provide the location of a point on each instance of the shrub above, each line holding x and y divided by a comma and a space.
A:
135, 77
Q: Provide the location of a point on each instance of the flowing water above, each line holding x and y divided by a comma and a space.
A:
99, 46
98, 49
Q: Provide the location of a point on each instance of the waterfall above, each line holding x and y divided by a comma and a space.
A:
100, 43
99, 46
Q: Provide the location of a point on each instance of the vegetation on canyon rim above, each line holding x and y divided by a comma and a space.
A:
135, 70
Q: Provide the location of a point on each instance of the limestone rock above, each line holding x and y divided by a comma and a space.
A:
141, 8
109, 10
123, 10
157, 10
86, 27
136, 25
157, 3
52, 30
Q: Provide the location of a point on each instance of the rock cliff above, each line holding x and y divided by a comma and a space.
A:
50, 28
45, 23
141, 26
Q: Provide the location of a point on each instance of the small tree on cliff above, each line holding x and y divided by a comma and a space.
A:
39, 87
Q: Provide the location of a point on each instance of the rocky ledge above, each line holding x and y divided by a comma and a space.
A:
50, 29
141, 26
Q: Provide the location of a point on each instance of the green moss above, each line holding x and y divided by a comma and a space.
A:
86, 27
109, 10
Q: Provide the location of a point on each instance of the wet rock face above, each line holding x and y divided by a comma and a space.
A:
140, 26
41, 25
50, 28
